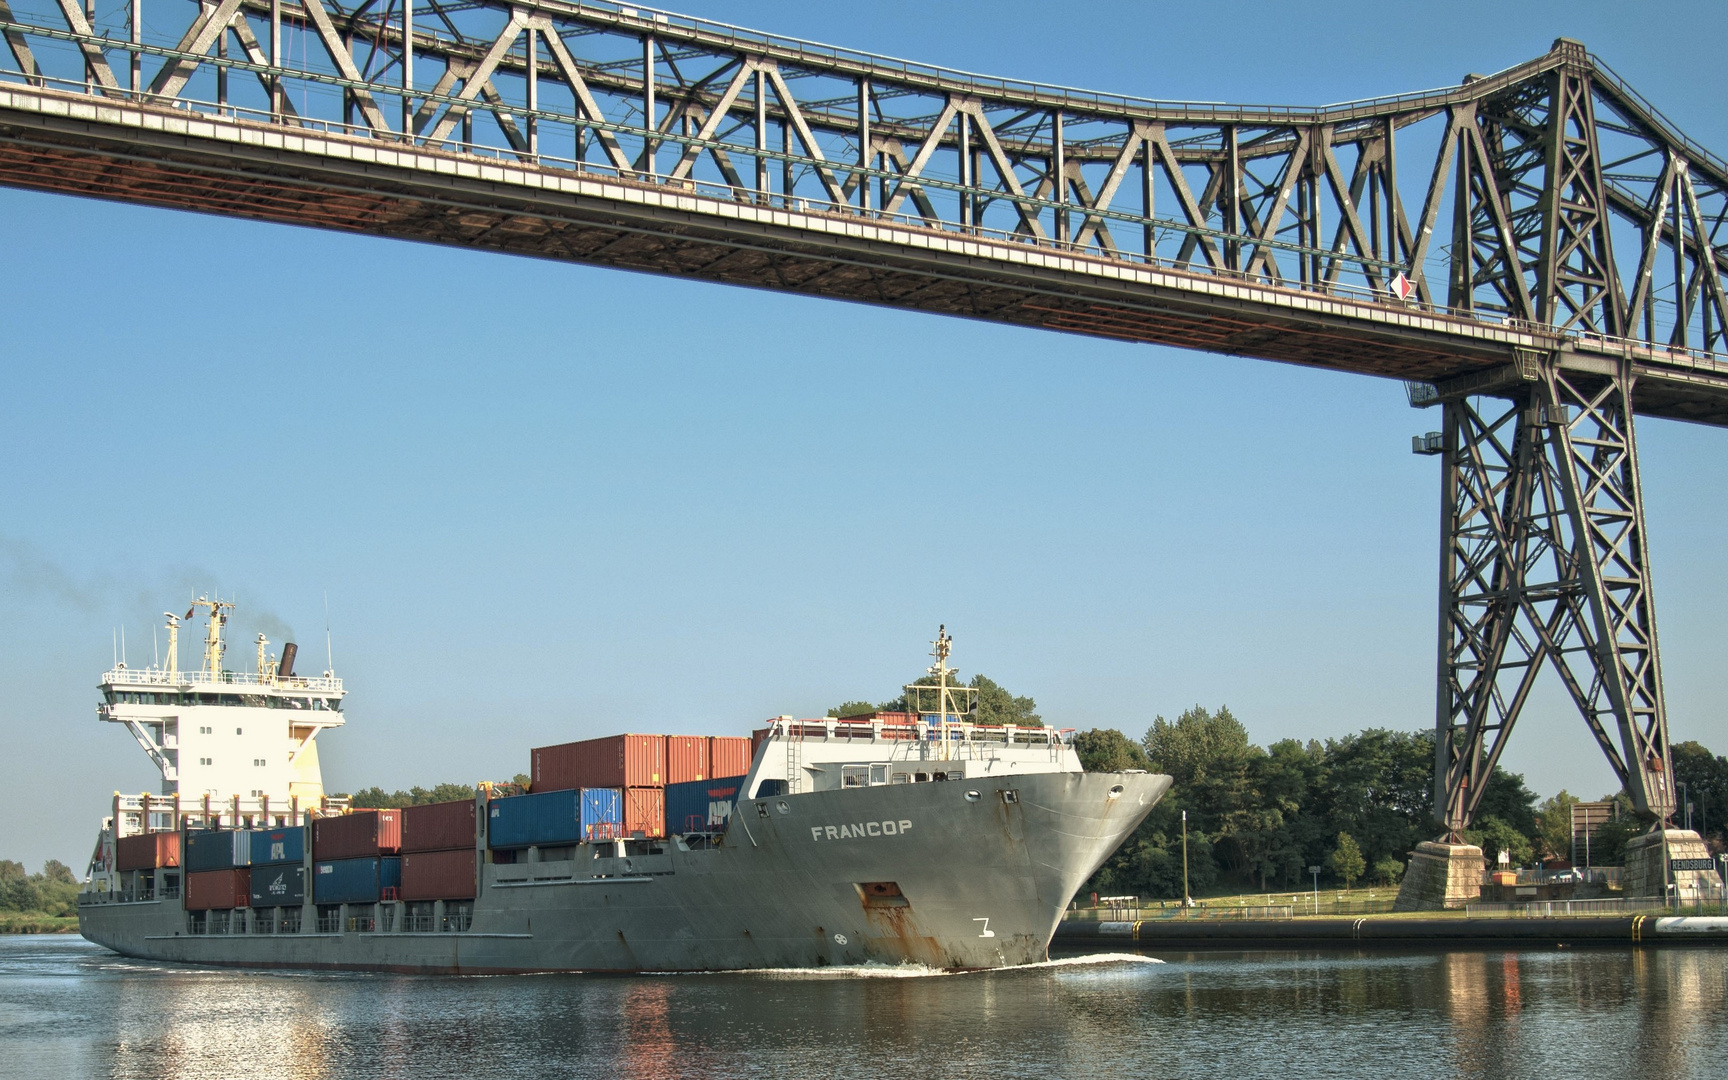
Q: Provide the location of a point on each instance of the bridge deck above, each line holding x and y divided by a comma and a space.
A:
67, 142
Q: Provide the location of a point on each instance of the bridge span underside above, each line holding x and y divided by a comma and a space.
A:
59, 142
1542, 238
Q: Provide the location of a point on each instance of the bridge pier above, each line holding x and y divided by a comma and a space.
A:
1543, 564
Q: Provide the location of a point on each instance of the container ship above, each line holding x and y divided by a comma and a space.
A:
915, 837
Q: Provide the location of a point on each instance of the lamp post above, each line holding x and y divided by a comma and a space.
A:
1187, 901
1315, 870
1681, 784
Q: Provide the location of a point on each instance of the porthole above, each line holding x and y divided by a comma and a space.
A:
782, 807
1116, 792
973, 796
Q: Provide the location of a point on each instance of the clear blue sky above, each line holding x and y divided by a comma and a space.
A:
549, 501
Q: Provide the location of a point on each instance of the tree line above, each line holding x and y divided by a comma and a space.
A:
54, 891
1355, 806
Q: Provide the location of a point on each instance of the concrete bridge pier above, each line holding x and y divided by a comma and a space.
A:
1441, 876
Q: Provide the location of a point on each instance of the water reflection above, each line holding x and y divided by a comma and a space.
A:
66, 1008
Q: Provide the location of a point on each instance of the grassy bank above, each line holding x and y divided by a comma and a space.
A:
12, 922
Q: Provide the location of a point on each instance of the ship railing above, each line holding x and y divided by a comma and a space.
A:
153, 676
841, 730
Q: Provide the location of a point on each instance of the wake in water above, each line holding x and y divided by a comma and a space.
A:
923, 971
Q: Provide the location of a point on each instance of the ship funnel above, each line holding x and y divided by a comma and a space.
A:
285, 669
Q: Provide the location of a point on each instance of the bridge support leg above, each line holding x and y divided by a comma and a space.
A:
1543, 563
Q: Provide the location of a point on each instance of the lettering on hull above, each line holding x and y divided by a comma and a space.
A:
860, 830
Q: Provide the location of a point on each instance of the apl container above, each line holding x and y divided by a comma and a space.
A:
645, 811
438, 826
355, 881
701, 806
217, 849
357, 834
285, 845
438, 875
147, 851
217, 890
553, 817
617, 761
278, 885
686, 758
729, 755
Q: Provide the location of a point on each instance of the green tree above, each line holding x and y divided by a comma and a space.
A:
1554, 825
1388, 871
1494, 835
851, 708
376, 798
1706, 778
1347, 859
1108, 750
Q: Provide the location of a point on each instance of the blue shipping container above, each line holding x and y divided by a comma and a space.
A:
216, 849
271, 846
354, 881
554, 817
278, 886
701, 805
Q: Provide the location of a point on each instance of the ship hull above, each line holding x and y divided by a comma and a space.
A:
796, 882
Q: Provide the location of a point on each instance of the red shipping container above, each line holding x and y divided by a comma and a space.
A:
147, 851
438, 826
729, 755
686, 758
358, 834
616, 761
218, 890
438, 875
645, 811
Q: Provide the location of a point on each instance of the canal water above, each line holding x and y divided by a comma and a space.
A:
68, 1008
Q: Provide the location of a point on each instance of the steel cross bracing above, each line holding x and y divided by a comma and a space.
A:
1543, 219
1543, 561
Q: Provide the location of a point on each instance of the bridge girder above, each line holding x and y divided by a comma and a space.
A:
1583, 232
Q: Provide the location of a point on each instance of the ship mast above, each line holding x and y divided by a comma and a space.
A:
213, 644
945, 703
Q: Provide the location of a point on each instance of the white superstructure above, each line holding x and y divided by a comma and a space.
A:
242, 743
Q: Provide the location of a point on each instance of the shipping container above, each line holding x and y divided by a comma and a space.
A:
617, 761
701, 806
218, 890
729, 755
356, 881
217, 849
272, 846
554, 817
686, 758
358, 834
438, 875
438, 826
645, 811
278, 885
147, 851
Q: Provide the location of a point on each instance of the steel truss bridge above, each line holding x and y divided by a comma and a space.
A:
1539, 253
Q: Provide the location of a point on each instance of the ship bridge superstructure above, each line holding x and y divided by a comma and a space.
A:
236, 743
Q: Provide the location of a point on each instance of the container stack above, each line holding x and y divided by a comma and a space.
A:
633, 765
438, 860
278, 877
356, 857
217, 863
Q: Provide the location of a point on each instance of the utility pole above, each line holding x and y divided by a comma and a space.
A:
1187, 901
